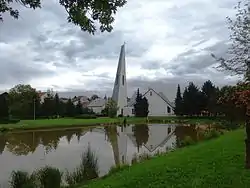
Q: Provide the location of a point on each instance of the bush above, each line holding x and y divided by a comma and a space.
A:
86, 116
21, 179
9, 121
87, 170
211, 134
120, 115
187, 141
49, 177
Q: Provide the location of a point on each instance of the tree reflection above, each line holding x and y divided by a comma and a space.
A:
3, 141
26, 142
182, 131
22, 143
141, 134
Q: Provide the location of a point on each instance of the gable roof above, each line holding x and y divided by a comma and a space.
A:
160, 94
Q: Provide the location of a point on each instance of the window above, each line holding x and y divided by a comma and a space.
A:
169, 109
122, 111
150, 93
133, 111
123, 79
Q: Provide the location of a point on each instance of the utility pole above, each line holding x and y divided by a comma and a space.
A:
34, 115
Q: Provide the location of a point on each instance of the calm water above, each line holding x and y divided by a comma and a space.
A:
63, 148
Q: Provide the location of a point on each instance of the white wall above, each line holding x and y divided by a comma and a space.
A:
157, 106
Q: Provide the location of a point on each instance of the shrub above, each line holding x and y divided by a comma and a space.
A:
9, 121
187, 141
86, 116
87, 170
21, 179
211, 134
49, 177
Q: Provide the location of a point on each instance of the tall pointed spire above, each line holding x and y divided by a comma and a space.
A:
120, 86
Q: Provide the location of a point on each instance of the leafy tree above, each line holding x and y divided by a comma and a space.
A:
70, 108
178, 102
141, 105
79, 107
87, 111
84, 14
239, 62
110, 109
48, 106
4, 106
22, 99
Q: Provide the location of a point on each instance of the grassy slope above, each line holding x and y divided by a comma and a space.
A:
69, 122
216, 163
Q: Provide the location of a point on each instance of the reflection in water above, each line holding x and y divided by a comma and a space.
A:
63, 148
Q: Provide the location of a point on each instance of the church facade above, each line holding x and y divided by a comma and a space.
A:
159, 105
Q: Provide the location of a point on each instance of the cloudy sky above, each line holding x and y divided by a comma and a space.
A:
168, 42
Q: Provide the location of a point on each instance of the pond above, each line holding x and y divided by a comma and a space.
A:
29, 150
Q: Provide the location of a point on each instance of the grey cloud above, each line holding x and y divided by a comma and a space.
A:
151, 65
13, 72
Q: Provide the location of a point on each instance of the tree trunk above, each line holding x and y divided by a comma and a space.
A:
247, 142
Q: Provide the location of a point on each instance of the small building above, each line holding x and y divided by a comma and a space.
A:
97, 105
83, 99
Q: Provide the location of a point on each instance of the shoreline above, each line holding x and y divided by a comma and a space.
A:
71, 123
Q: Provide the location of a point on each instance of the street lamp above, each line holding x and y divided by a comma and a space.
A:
34, 108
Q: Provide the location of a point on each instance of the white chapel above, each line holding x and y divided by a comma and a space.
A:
159, 105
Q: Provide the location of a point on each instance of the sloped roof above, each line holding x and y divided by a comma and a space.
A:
160, 94
99, 102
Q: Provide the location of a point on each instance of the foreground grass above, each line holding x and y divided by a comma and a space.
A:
72, 122
215, 163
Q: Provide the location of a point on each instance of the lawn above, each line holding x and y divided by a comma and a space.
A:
72, 122
215, 163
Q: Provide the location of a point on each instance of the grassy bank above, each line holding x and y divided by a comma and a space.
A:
215, 163
72, 122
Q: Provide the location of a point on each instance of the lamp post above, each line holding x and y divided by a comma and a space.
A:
34, 109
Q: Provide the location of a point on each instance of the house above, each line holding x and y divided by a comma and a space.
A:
159, 105
83, 99
42, 96
97, 105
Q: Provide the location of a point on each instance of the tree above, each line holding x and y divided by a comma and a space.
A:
79, 107
110, 109
141, 105
93, 97
209, 96
239, 62
192, 100
48, 106
57, 104
84, 14
21, 101
4, 106
178, 102
70, 108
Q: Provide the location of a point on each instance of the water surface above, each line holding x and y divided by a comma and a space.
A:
29, 150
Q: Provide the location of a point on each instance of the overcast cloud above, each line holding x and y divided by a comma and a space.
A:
167, 42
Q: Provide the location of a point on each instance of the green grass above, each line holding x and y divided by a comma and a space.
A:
215, 163
72, 122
